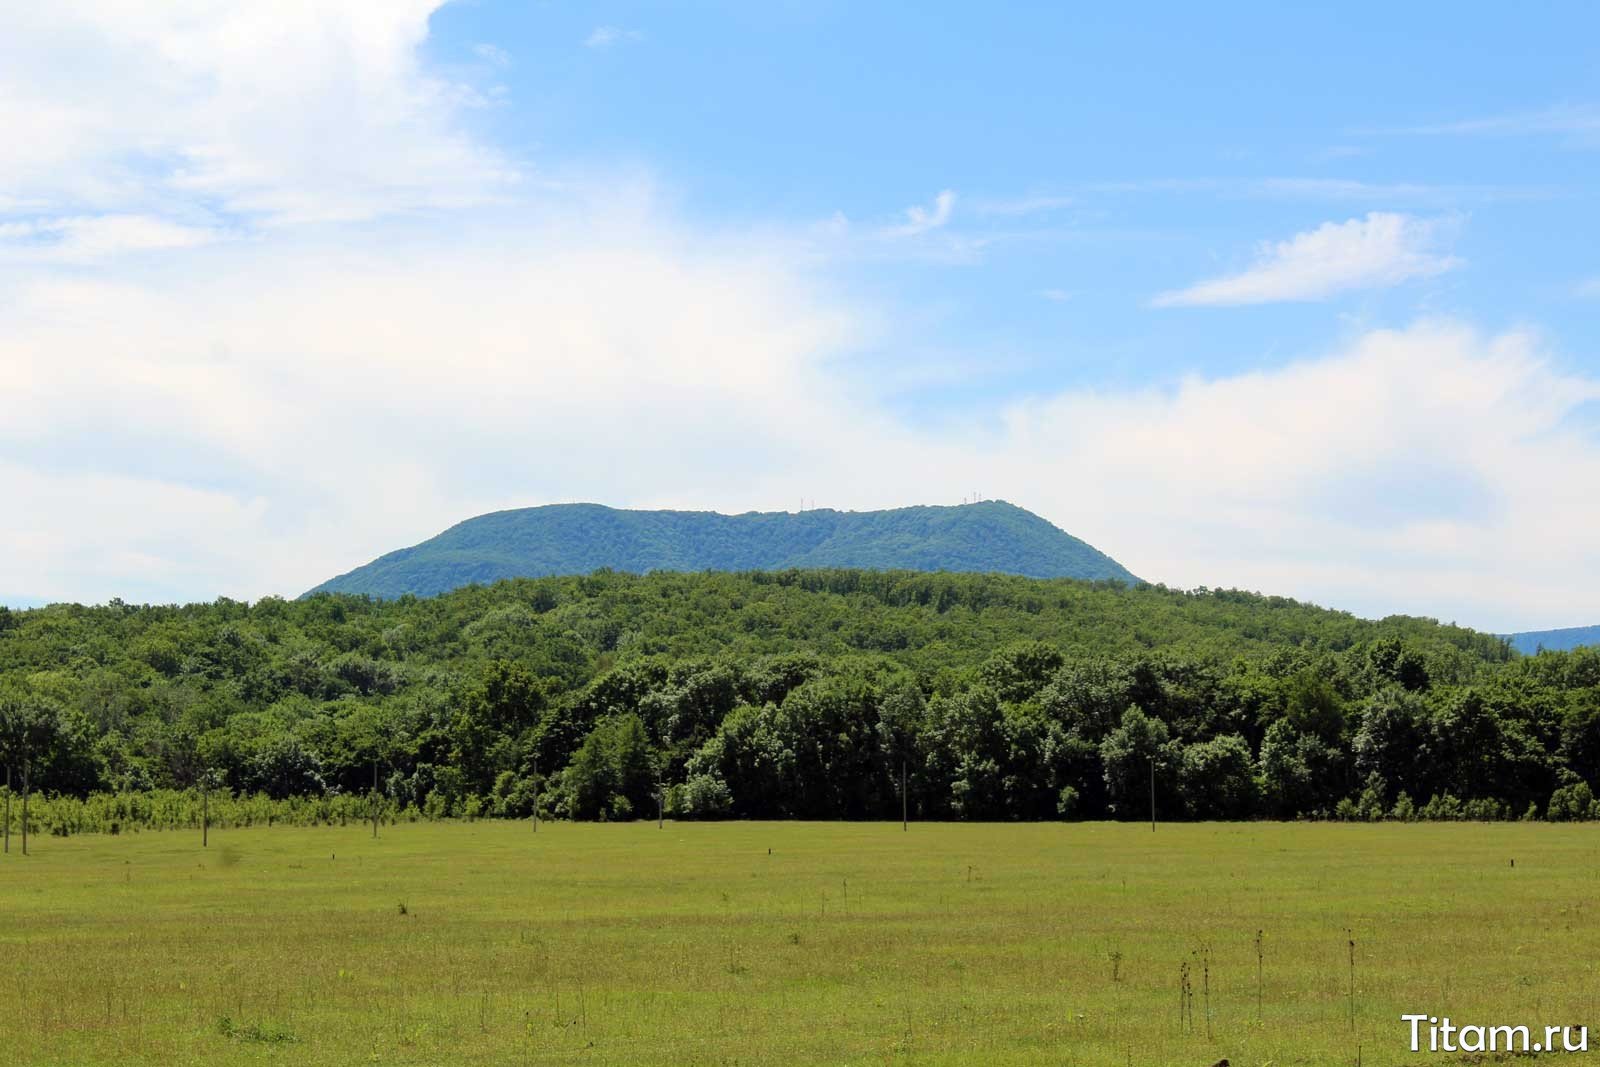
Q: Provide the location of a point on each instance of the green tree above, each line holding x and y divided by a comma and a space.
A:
30, 729
1218, 778
1128, 753
1298, 773
1390, 739
612, 775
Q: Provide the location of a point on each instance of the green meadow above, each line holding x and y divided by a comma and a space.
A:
791, 943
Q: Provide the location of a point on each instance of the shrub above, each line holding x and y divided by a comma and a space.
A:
1483, 809
1404, 810
704, 796
1067, 802
1571, 803
1444, 808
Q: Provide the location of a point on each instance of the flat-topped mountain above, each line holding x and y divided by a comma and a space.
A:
579, 538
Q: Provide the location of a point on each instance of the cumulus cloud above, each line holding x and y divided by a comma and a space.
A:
279, 112
1381, 249
260, 420
342, 396
195, 408
1425, 470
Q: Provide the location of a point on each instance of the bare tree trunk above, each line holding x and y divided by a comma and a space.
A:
374, 799
905, 805
8, 808
1152, 794
205, 817
25, 768
536, 795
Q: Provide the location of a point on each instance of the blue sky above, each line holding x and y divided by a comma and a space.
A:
1292, 300
1099, 156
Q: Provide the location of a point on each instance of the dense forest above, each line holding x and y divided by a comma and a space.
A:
796, 694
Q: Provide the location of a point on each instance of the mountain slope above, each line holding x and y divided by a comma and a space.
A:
1554, 640
579, 538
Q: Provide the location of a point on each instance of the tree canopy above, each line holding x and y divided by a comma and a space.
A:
800, 694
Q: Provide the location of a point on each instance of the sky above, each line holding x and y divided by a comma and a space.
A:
1294, 301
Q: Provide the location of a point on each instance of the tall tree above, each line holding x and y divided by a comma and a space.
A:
29, 729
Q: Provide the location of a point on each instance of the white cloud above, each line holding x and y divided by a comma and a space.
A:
1429, 469
342, 394
606, 36
1379, 250
1321, 188
86, 239
1589, 288
494, 55
1350, 189
1340, 151
920, 219
187, 416
272, 414
1025, 205
278, 112
921, 235
1579, 123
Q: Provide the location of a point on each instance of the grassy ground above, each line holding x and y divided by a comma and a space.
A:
789, 943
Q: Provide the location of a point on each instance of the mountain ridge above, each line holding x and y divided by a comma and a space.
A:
565, 539
1529, 642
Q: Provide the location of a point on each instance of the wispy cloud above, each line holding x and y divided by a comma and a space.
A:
606, 36
920, 218
1341, 189
1316, 188
1573, 126
87, 239
1589, 288
1340, 151
492, 54
1024, 205
1579, 121
1378, 250
921, 234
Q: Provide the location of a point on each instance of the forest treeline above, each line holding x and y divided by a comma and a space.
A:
796, 694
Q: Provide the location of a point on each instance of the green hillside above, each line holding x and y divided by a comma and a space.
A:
563, 539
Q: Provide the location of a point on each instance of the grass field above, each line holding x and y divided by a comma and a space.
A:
789, 943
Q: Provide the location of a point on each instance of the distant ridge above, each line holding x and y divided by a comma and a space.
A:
1532, 641
561, 539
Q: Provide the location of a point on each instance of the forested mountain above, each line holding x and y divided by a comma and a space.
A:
799, 694
562, 539
1572, 637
